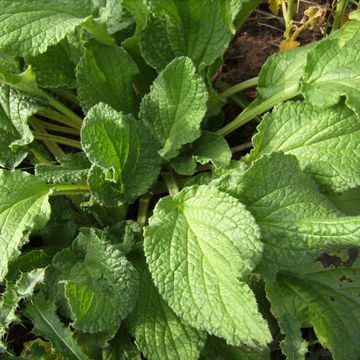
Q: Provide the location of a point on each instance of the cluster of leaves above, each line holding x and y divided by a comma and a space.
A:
234, 256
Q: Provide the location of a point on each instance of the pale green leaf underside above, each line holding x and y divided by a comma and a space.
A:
297, 222
24, 206
30, 27
333, 71
325, 141
105, 74
327, 298
175, 106
100, 284
159, 332
124, 153
46, 322
198, 244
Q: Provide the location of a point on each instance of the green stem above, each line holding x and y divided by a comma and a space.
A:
241, 147
239, 87
57, 139
56, 116
339, 14
98, 32
257, 108
69, 189
66, 94
291, 8
38, 156
49, 143
57, 128
170, 182
76, 120
143, 210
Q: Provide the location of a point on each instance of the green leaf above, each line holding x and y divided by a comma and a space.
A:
114, 15
217, 349
9, 158
121, 348
347, 202
73, 169
198, 244
326, 297
297, 222
9, 63
333, 71
105, 74
293, 346
308, 133
53, 68
282, 72
30, 27
24, 206
46, 323
244, 10
16, 110
123, 151
22, 290
210, 147
191, 28
175, 106
158, 331
100, 284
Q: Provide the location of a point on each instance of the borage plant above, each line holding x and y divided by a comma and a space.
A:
98, 261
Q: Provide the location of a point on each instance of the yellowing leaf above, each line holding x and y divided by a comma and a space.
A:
288, 45
274, 6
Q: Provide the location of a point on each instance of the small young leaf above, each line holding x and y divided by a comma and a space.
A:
198, 245
293, 346
105, 74
308, 132
43, 315
175, 106
210, 147
30, 27
24, 206
158, 331
124, 154
100, 284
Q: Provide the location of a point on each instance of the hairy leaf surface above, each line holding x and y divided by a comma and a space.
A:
159, 332
105, 74
198, 244
24, 206
175, 106
297, 222
101, 285
325, 296
191, 28
325, 141
123, 151
30, 27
